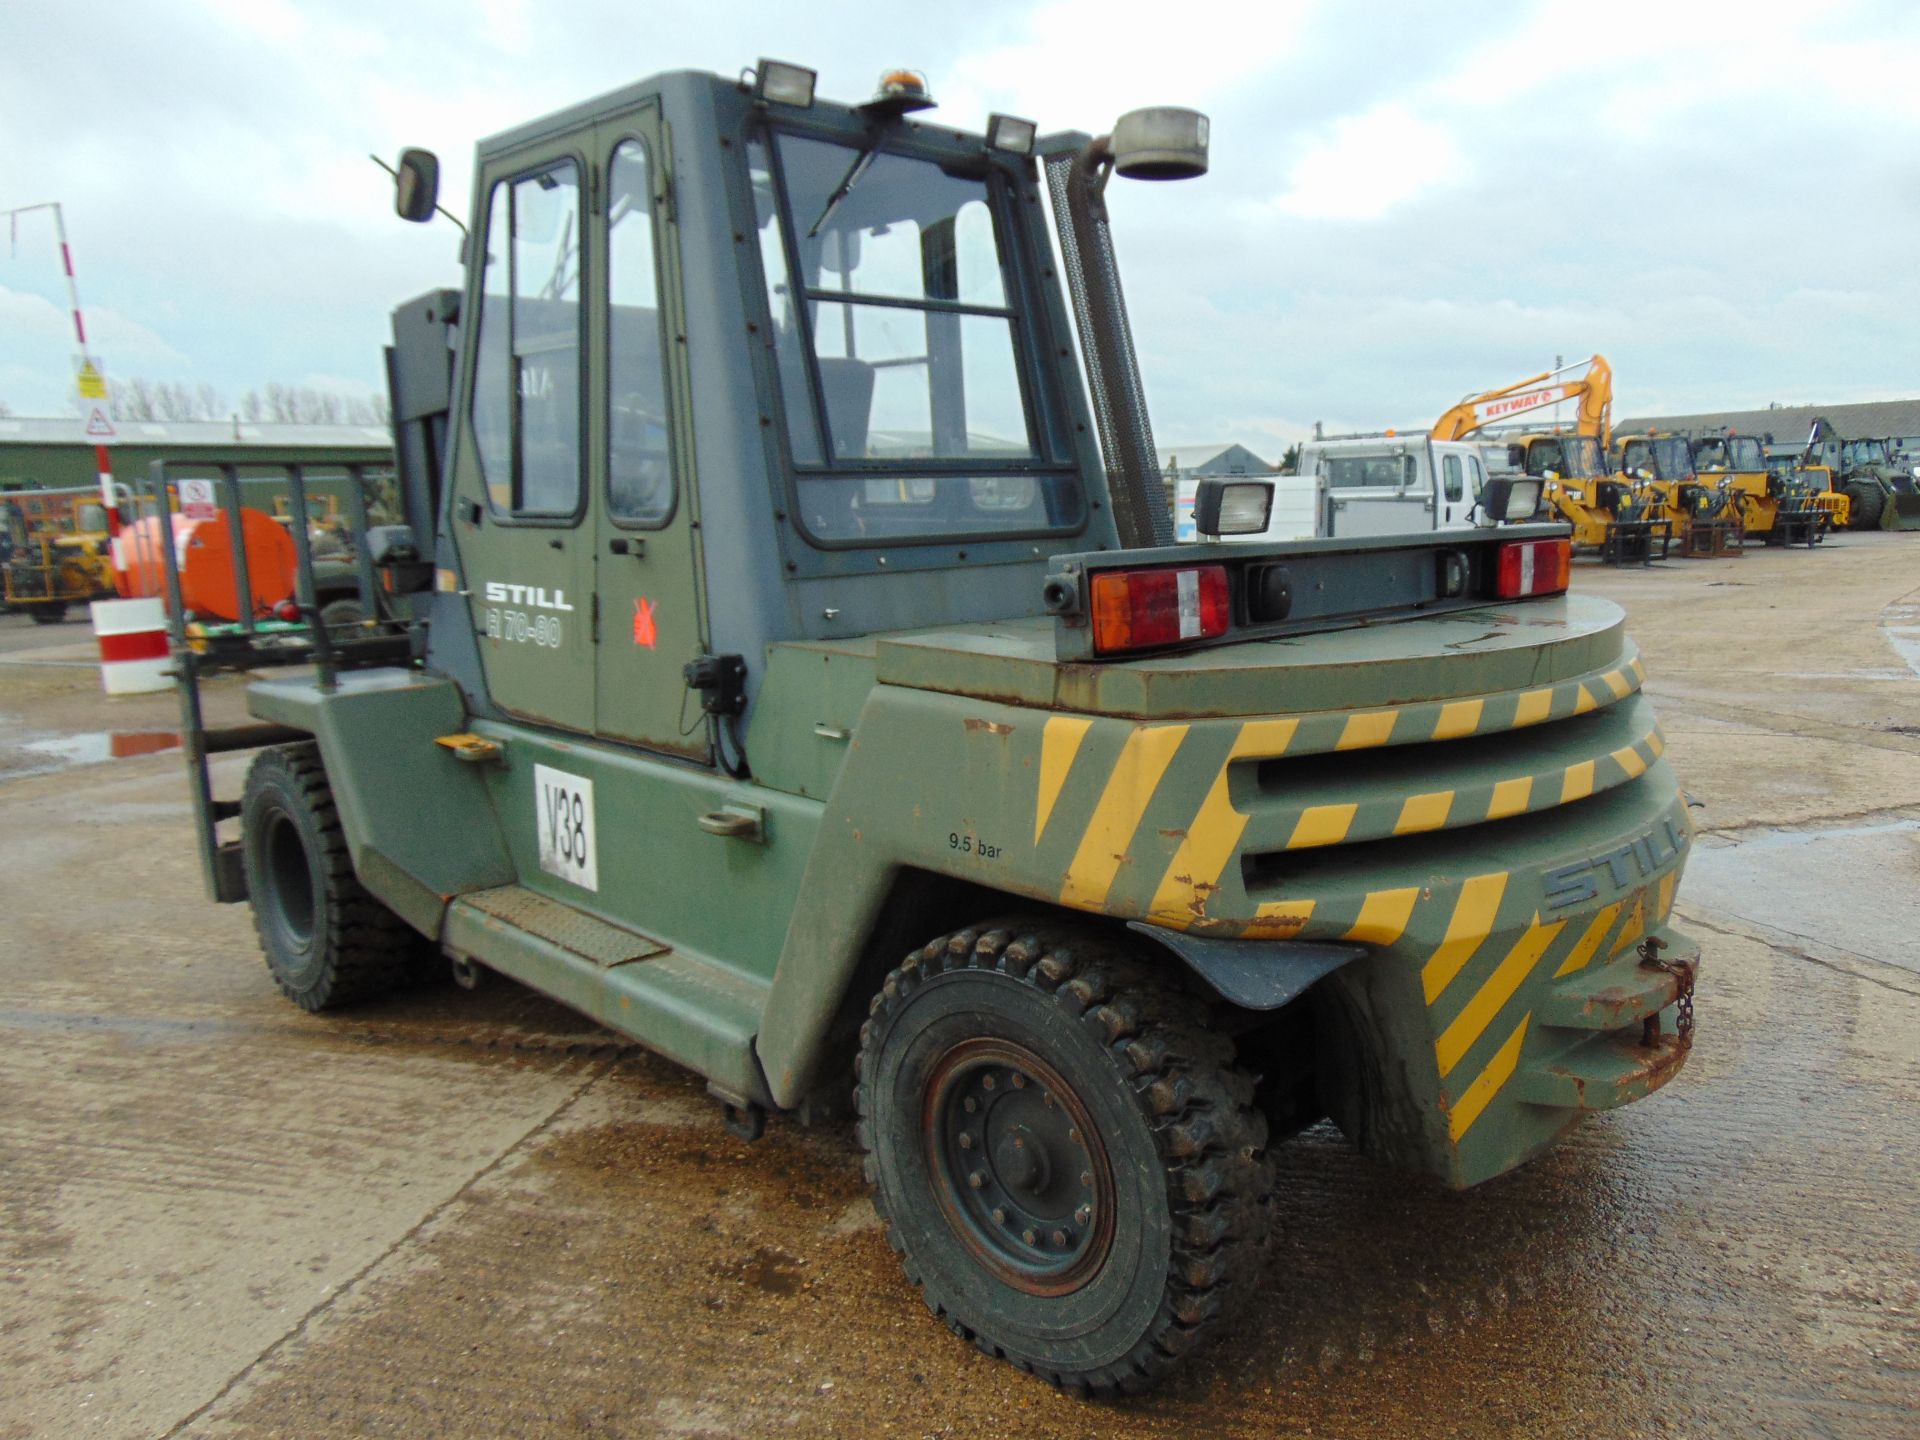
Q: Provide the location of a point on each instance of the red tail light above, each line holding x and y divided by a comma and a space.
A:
1142, 609
1534, 567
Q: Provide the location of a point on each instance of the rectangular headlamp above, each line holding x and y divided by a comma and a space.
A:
784, 84
1010, 133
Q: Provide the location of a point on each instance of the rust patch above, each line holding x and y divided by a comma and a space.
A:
1177, 833
992, 727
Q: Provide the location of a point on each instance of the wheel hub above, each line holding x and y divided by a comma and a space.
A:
1019, 1168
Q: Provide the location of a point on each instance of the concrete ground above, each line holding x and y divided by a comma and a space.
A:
479, 1214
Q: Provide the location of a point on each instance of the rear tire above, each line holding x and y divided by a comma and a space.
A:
1069, 1163
328, 942
49, 614
1867, 501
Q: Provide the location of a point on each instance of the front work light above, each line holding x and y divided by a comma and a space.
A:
1010, 133
1510, 498
1232, 507
784, 84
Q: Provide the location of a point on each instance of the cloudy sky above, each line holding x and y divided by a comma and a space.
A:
1408, 201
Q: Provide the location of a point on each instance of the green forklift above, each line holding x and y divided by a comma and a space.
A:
1881, 494
788, 663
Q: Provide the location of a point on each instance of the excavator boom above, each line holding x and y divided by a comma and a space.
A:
1593, 389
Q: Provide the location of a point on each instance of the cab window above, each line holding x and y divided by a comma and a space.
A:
897, 343
639, 457
1451, 478
526, 382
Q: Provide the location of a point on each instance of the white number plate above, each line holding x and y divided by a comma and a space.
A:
564, 821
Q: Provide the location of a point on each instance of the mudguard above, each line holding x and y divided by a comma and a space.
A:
1254, 974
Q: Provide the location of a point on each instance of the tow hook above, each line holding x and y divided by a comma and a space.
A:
1682, 974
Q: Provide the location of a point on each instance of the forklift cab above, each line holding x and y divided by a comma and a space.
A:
704, 309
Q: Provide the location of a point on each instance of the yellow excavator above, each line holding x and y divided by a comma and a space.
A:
1621, 520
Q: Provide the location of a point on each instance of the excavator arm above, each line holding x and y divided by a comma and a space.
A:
1593, 389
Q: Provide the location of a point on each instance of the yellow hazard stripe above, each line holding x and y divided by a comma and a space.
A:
1383, 917
1510, 797
1370, 728
1667, 883
1629, 759
1499, 987
1457, 718
1534, 707
1589, 941
1059, 743
1424, 812
1635, 927
1616, 681
1129, 790
1279, 920
1487, 1083
1585, 701
1322, 825
1471, 924
1194, 872
1578, 782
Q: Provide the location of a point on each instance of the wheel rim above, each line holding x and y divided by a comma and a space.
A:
290, 879
1019, 1169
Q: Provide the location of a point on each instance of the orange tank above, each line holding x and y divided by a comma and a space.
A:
208, 586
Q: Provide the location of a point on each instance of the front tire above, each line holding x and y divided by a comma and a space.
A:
1068, 1160
328, 942
49, 614
1867, 501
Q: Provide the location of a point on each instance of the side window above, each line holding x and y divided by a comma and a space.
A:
639, 457
1477, 475
526, 384
1450, 469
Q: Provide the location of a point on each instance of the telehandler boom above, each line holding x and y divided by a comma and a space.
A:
799, 678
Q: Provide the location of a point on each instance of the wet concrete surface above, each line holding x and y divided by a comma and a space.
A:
479, 1214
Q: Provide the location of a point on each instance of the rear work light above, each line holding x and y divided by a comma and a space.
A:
1143, 609
1534, 567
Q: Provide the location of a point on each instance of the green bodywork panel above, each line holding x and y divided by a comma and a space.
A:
1497, 827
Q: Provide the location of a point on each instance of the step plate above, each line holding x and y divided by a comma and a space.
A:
591, 938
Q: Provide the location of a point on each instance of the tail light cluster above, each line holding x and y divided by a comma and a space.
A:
1533, 567
1146, 609
1170, 605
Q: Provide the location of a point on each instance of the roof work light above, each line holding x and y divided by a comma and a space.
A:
1011, 133
784, 84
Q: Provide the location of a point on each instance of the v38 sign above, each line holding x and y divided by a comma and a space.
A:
563, 820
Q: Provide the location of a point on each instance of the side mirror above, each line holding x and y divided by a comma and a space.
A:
1232, 507
416, 185
1161, 143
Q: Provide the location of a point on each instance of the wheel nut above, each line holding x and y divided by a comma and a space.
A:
1019, 1081
999, 1215
977, 1179
1030, 1235
1083, 1214
1059, 1237
966, 1140
970, 1104
986, 1082
1073, 1134
1086, 1179
1046, 1098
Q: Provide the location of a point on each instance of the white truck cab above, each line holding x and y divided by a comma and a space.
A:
1368, 485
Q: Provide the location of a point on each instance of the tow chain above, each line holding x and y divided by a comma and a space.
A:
1682, 974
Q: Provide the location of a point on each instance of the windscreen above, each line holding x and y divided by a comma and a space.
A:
897, 333
1745, 455
1575, 457
1672, 459
1858, 453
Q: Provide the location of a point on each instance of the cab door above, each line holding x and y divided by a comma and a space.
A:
519, 495
652, 613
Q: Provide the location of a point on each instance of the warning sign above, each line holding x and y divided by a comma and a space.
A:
93, 385
99, 426
196, 500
